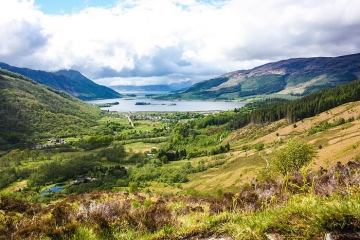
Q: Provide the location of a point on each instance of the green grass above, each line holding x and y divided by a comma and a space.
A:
229, 176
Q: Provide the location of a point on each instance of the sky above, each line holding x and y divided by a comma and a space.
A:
141, 42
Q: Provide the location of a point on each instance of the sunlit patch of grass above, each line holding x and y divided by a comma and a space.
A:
141, 147
228, 176
85, 233
15, 186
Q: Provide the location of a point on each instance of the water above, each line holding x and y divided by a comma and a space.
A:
54, 189
127, 104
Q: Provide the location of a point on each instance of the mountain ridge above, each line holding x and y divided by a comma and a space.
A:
175, 86
70, 81
295, 76
129, 88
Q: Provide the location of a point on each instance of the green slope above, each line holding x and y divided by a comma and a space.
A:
31, 111
85, 88
70, 81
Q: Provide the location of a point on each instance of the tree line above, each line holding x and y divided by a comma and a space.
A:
298, 109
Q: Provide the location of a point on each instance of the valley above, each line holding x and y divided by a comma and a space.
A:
179, 120
177, 174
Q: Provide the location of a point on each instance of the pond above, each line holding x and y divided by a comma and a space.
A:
53, 189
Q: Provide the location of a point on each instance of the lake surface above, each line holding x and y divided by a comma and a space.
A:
127, 104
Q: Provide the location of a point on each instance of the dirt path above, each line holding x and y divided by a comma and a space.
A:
130, 121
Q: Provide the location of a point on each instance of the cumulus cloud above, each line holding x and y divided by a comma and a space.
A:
21, 31
151, 41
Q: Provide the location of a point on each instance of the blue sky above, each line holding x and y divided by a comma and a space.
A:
162, 41
70, 6
73, 6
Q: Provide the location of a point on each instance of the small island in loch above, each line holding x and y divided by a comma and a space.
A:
142, 103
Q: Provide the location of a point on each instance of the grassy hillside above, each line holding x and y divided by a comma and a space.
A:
31, 112
70, 81
253, 144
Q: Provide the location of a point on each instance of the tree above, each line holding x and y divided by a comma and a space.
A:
294, 155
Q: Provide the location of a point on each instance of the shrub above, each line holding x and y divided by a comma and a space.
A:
219, 193
294, 155
133, 187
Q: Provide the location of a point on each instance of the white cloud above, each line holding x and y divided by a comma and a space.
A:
21, 32
150, 40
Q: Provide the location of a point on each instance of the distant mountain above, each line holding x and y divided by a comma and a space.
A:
69, 81
154, 88
299, 76
144, 88
180, 86
31, 111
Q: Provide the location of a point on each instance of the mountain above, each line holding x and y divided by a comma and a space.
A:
180, 86
144, 88
69, 81
31, 111
298, 76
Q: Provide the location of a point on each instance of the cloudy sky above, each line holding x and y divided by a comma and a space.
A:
160, 41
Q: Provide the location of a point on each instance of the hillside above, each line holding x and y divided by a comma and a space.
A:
314, 203
335, 144
30, 111
298, 76
69, 81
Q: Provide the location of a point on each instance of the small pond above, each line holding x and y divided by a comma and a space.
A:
53, 189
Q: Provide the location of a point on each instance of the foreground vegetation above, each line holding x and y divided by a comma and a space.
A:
304, 205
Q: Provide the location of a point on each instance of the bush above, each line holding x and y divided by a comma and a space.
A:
259, 146
219, 193
294, 155
133, 187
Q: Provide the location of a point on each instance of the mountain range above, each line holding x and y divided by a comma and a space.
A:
171, 87
69, 81
144, 88
297, 76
